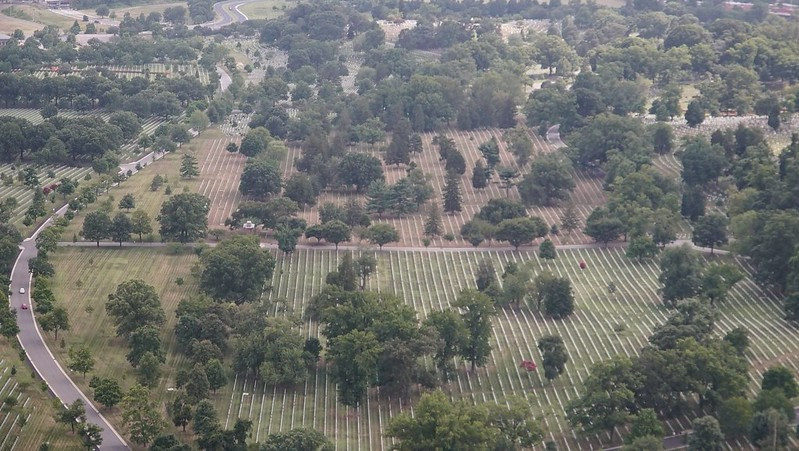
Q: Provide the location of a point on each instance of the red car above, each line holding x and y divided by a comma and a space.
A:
24, 306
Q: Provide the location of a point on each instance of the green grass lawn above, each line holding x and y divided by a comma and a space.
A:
134, 11
139, 186
604, 324
84, 279
40, 15
30, 422
265, 9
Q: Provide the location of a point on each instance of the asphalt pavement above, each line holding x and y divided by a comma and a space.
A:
45, 365
30, 336
227, 12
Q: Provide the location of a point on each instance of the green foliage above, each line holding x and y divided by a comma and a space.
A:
452, 336
607, 397
548, 182
184, 217
433, 225
260, 179
695, 113
359, 170
645, 424
680, 274
711, 231
297, 439
706, 435
554, 355
80, 359
133, 305
452, 193
354, 356
477, 309
602, 226
692, 318
547, 250
188, 167
438, 423
519, 231
382, 234
96, 226
236, 269
106, 391
735, 416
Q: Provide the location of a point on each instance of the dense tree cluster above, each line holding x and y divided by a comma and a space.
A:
438, 423
89, 89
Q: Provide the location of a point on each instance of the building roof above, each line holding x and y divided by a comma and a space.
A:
4, 37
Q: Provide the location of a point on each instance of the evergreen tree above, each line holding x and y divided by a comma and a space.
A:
432, 225
452, 193
480, 175
188, 168
695, 113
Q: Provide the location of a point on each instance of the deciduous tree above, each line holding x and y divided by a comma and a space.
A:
184, 217
260, 178
477, 309
382, 234
96, 226
121, 228
141, 223
554, 355
548, 182
518, 231
236, 269
80, 359
133, 305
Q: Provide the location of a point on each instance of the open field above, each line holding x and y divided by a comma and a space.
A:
41, 16
139, 186
84, 279
431, 281
8, 24
265, 9
30, 422
136, 10
587, 195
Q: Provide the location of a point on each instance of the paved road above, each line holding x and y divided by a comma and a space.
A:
44, 363
227, 12
30, 336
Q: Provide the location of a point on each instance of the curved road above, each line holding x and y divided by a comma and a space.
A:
30, 336
227, 12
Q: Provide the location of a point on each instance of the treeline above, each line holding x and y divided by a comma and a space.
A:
45, 47
741, 61
685, 368
163, 97
59, 140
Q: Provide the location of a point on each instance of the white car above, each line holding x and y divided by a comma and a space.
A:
21, 291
